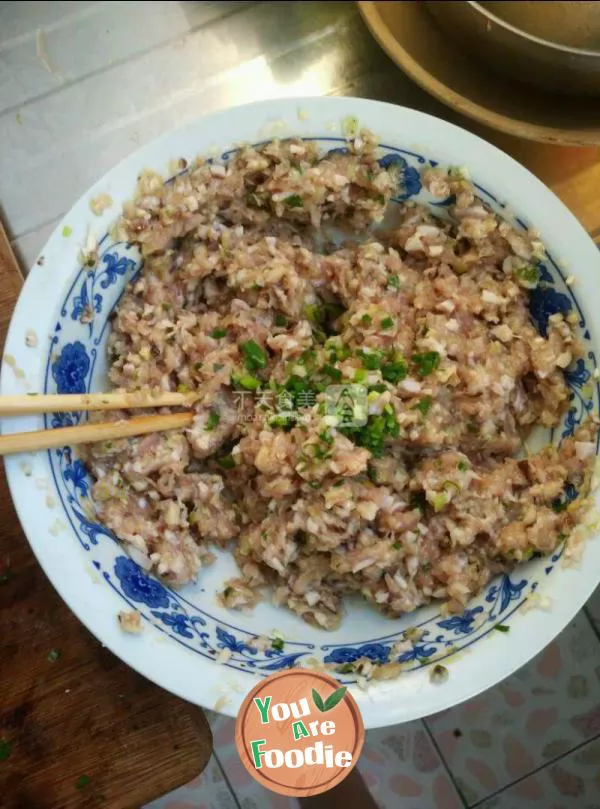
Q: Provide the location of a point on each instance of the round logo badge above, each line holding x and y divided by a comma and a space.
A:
299, 732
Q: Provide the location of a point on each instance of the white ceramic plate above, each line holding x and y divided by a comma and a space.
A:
185, 631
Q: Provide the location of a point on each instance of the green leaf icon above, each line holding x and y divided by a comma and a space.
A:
317, 700
333, 699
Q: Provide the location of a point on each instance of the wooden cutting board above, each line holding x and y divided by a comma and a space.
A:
82, 730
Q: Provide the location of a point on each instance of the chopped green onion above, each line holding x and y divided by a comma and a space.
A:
83, 781
528, 277
371, 361
281, 320
426, 363
198, 366
396, 546
502, 628
350, 126
255, 356
213, 420
366, 320
218, 333
294, 201
462, 466
247, 381
67, 231
182, 388
438, 500
386, 323
227, 592
394, 371
333, 373
394, 282
423, 405
227, 462
277, 644
360, 375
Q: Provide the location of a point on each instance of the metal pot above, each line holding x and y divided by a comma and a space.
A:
525, 56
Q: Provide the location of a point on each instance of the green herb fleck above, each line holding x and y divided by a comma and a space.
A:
182, 388
198, 366
281, 321
166, 306
218, 333
373, 434
345, 668
394, 282
366, 320
559, 505
462, 466
360, 375
53, 655
285, 422
227, 592
333, 373
5, 748
213, 420
247, 381
277, 644
502, 628
386, 323
528, 277
472, 427
426, 363
255, 356
350, 126
423, 405
395, 370
396, 546
294, 201
83, 781
371, 360
227, 462
67, 231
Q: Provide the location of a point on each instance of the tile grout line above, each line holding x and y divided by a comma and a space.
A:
120, 62
543, 766
445, 763
226, 779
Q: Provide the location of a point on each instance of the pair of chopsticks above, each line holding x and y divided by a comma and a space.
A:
88, 433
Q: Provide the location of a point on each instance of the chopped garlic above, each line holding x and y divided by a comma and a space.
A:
131, 622
100, 203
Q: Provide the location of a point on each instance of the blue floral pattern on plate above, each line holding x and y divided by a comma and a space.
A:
75, 364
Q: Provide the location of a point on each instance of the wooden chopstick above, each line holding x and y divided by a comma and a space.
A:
92, 432
23, 404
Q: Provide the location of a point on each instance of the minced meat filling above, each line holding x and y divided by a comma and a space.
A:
359, 406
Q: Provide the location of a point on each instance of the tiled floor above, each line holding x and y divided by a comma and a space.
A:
532, 742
